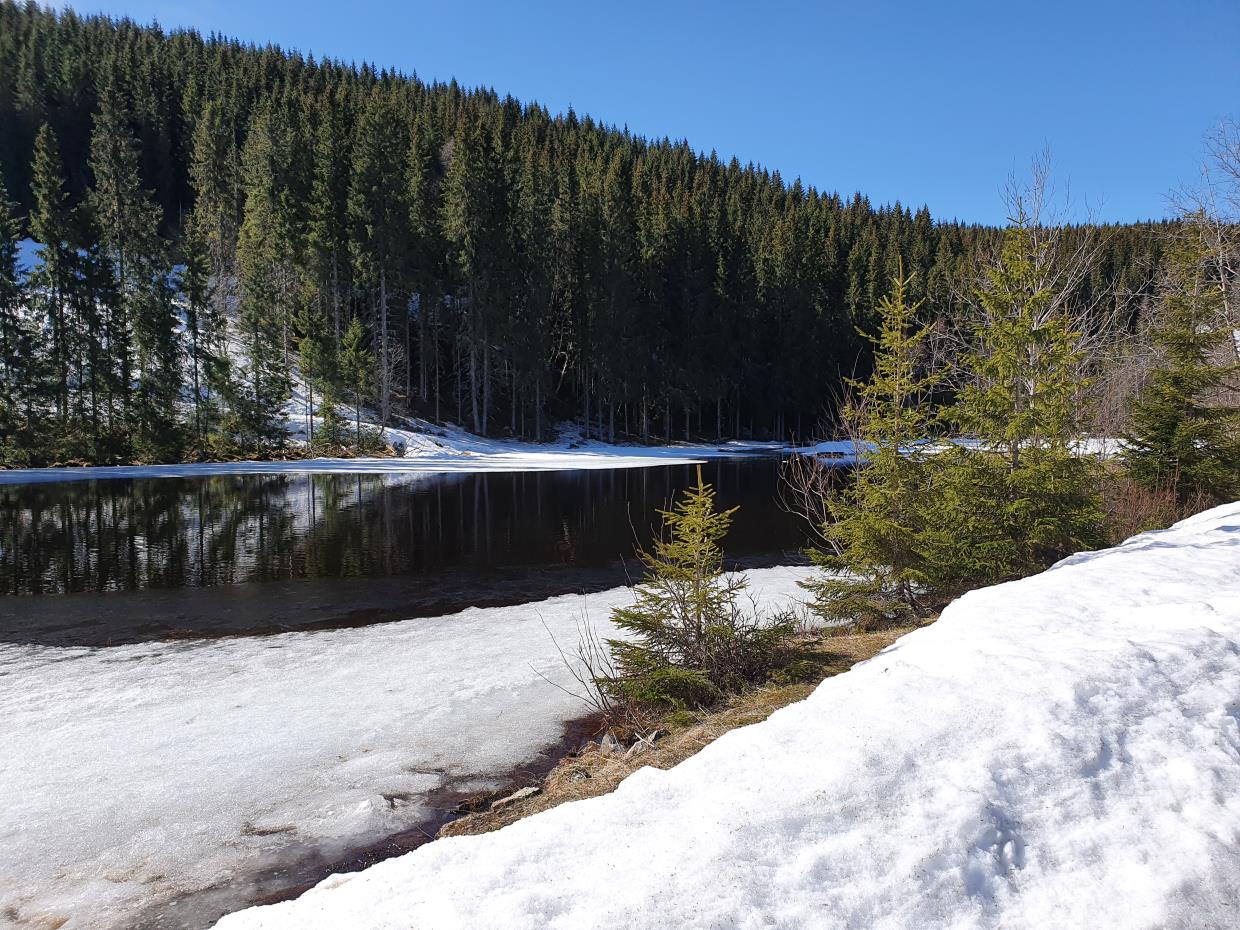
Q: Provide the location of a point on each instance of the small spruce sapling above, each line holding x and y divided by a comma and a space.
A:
689, 639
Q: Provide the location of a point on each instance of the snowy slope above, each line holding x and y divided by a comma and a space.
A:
132, 776
1059, 752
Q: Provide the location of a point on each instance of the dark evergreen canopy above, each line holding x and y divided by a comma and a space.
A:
508, 267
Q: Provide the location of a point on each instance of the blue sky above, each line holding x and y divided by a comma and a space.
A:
924, 102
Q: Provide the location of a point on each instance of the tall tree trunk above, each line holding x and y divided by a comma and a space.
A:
486, 383
538, 410
336, 299
385, 369
310, 411
408, 354
585, 403
473, 388
422, 312
435, 346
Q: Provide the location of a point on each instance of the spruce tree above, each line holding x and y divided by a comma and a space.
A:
355, 366
215, 220
1013, 495
266, 250
1182, 436
474, 224
144, 309
316, 352
688, 638
874, 570
381, 235
195, 288
16, 349
51, 226
327, 231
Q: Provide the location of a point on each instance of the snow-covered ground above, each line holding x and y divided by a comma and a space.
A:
1059, 752
429, 450
134, 776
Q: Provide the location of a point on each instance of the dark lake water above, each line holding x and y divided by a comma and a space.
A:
130, 560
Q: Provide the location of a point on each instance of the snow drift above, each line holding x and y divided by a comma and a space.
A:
1061, 751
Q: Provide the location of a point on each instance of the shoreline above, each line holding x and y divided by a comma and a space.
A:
500, 459
447, 804
576, 767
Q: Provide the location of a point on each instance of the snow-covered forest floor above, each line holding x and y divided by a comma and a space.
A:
421, 446
1060, 751
153, 772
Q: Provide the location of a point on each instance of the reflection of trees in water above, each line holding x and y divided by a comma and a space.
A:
129, 534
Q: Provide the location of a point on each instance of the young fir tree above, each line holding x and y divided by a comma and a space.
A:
874, 568
1016, 497
316, 353
355, 366
1181, 436
687, 636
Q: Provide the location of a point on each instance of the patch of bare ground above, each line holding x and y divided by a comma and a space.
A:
599, 766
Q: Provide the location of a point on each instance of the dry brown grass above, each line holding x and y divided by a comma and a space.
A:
591, 772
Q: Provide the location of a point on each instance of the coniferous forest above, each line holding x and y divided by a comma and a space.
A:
216, 223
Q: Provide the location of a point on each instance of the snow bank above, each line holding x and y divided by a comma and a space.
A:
135, 775
1061, 751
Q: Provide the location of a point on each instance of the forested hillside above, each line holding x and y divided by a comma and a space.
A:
211, 214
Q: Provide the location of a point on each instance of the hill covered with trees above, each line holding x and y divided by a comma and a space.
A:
214, 219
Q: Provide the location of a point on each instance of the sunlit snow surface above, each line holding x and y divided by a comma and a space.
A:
132, 776
1059, 752
489, 456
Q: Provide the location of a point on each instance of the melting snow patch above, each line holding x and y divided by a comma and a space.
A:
133, 776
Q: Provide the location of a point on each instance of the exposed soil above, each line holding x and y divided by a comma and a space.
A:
592, 769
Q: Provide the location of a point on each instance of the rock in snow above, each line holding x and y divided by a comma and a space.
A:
1058, 752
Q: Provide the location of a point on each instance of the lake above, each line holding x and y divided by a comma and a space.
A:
226, 688
118, 561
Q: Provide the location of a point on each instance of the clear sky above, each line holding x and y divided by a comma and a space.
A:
924, 101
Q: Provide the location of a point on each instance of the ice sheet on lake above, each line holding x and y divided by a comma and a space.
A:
1058, 752
134, 775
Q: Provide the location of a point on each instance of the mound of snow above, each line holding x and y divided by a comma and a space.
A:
1062, 751
133, 776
